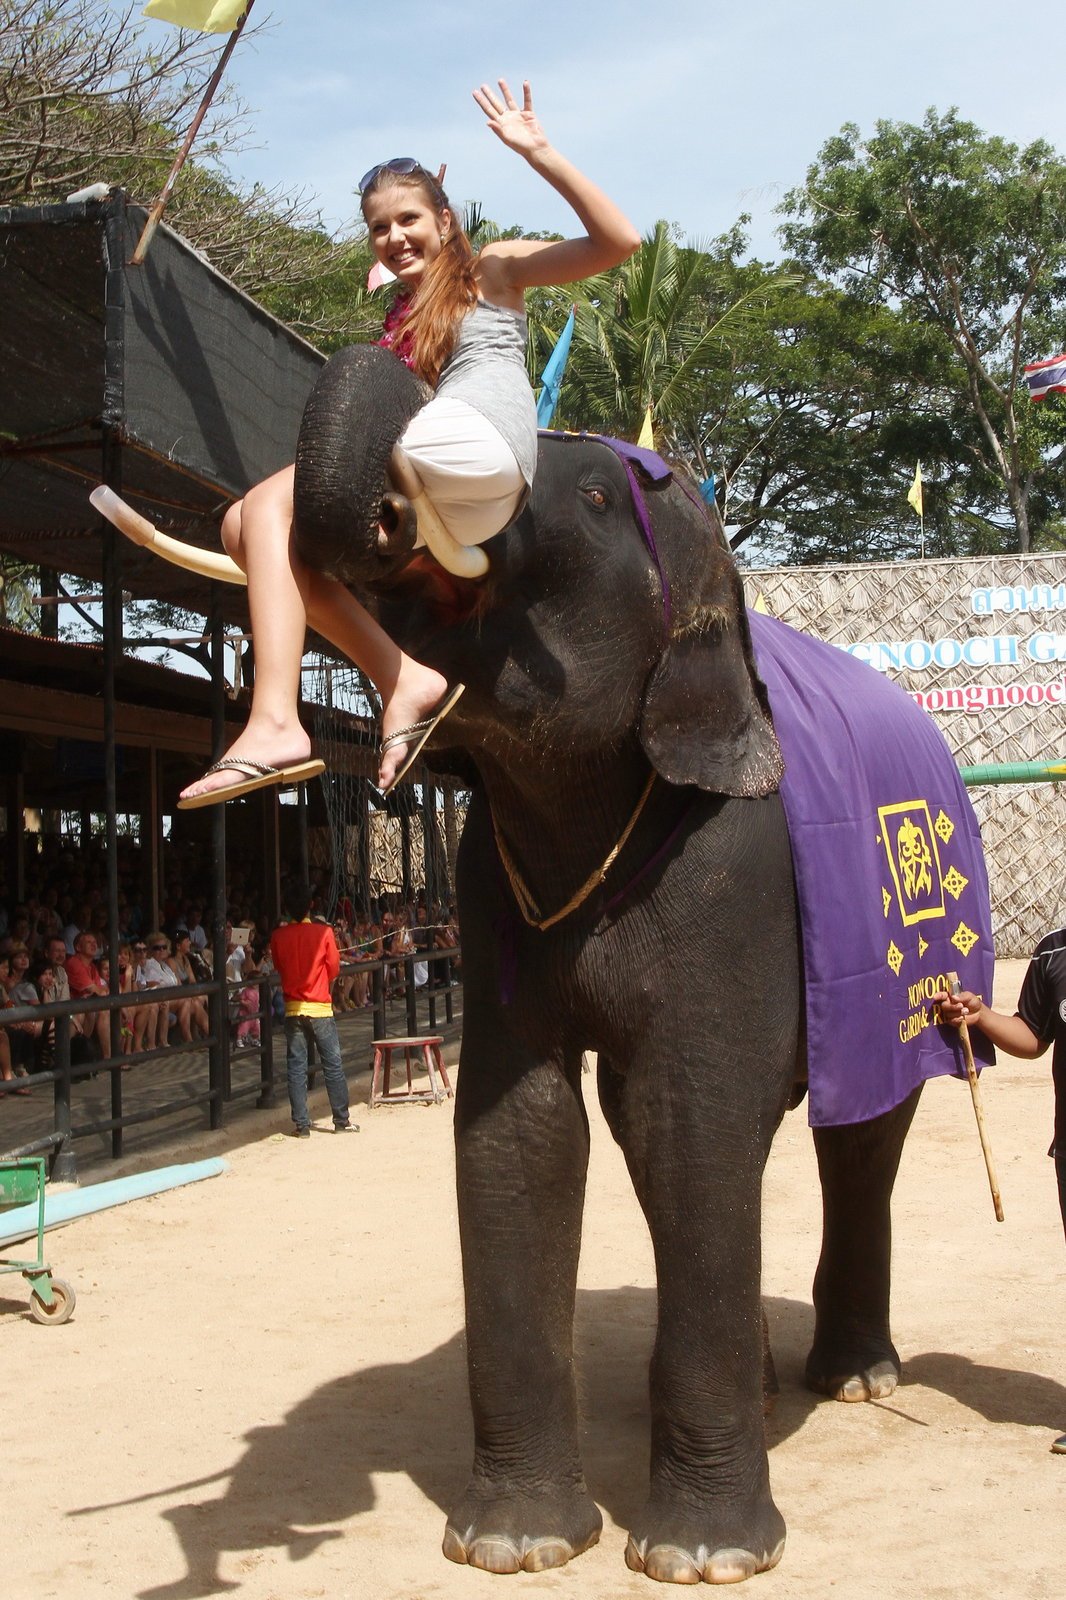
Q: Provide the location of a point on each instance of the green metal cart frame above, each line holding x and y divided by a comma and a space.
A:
22, 1183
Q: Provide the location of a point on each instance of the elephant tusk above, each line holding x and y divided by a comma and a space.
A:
207, 563
462, 560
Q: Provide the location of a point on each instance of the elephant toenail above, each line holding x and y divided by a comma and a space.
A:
545, 1553
730, 1566
852, 1391
665, 1563
454, 1547
494, 1555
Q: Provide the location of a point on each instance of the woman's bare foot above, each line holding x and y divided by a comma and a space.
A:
419, 690
270, 745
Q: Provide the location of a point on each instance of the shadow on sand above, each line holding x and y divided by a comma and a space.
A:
314, 1471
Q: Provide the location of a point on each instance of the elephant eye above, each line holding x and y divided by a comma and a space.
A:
595, 497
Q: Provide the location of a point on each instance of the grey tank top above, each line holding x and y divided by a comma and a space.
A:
487, 369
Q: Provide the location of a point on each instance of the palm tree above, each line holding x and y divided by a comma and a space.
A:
656, 332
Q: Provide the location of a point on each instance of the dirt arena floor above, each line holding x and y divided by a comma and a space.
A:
262, 1389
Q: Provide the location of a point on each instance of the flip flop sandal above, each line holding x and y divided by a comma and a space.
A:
263, 777
417, 734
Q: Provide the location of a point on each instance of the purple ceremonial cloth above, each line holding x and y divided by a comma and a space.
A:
890, 875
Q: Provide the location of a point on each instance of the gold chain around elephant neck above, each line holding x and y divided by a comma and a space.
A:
526, 903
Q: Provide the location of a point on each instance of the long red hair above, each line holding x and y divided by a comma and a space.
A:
448, 289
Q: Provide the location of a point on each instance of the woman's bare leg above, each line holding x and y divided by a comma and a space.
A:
182, 1009
142, 1017
283, 596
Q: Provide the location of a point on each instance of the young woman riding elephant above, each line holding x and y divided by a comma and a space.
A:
459, 323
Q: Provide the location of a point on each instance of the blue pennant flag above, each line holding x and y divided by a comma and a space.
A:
707, 490
552, 376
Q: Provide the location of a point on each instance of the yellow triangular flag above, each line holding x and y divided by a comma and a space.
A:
209, 16
914, 493
759, 604
646, 441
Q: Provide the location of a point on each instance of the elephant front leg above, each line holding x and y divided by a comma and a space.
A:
697, 1167
522, 1152
853, 1357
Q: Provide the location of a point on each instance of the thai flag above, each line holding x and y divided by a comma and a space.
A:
1046, 377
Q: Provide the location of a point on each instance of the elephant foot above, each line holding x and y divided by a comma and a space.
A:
521, 1532
721, 1547
854, 1377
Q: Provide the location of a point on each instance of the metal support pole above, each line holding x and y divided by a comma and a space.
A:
111, 474
16, 844
301, 834
151, 828
364, 844
271, 855
49, 581
64, 1168
266, 1047
219, 1068
377, 986
410, 995
405, 855
112, 618
430, 850
159, 206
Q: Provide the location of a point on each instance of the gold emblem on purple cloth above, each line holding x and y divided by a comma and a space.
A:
909, 838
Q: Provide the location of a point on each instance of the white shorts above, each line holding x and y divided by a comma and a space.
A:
468, 468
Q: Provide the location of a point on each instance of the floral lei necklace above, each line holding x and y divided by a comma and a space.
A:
393, 336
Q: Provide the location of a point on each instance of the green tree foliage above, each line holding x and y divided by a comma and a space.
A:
824, 412
86, 95
17, 588
963, 237
657, 331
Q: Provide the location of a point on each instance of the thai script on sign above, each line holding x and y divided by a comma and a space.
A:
1019, 597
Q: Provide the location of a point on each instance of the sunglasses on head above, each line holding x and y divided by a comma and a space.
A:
402, 166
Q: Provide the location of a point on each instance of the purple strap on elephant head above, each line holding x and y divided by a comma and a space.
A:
656, 470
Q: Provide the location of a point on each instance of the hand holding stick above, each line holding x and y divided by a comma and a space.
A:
955, 988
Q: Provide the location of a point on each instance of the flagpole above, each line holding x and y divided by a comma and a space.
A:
155, 214
921, 525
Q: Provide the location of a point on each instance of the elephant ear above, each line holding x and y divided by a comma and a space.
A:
706, 718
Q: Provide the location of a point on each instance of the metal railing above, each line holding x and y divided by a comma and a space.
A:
63, 1073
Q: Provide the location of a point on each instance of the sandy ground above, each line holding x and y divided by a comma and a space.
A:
263, 1388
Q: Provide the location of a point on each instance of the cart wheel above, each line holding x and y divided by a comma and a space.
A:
63, 1303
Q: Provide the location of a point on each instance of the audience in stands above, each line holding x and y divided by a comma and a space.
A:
54, 947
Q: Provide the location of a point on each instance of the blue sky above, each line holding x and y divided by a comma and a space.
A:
685, 109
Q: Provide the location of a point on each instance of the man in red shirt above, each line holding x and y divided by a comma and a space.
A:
86, 982
307, 960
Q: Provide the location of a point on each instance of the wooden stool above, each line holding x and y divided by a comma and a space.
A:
429, 1045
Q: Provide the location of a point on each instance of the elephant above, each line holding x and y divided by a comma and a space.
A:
626, 887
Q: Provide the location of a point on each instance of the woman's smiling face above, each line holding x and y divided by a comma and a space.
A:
405, 231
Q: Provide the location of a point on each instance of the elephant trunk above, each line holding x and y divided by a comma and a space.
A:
350, 521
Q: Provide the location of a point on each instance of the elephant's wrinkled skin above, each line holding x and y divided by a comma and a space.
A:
689, 993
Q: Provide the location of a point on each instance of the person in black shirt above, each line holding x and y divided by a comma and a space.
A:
1039, 1021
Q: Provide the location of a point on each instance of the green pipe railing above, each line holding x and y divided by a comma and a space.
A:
1014, 772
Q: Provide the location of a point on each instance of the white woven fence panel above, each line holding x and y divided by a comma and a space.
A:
927, 608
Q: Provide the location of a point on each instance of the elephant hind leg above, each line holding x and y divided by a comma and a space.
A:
852, 1357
